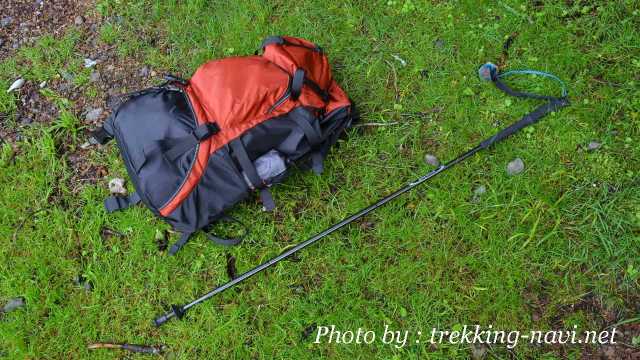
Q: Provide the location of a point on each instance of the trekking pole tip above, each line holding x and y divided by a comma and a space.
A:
176, 311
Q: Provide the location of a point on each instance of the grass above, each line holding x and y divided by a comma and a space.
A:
534, 243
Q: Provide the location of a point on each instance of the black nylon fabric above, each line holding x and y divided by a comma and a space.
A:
138, 126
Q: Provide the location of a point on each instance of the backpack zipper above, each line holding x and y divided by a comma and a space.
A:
280, 101
197, 148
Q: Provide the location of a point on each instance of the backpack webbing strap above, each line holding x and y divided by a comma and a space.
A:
184, 238
100, 136
315, 87
296, 83
315, 138
279, 40
115, 203
173, 148
532, 117
228, 241
240, 154
300, 79
271, 40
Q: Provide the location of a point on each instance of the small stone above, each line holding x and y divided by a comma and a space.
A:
43, 84
161, 240
144, 72
13, 304
117, 19
6, 21
113, 101
16, 85
67, 76
25, 120
86, 145
478, 192
438, 43
593, 146
95, 76
89, 63
515, 167
83, 282
153, 73
478, 351
93, 114
1, 42
116, 186
79, 20
399, 59
431, 160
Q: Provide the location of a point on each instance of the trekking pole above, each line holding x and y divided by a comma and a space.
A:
555, 103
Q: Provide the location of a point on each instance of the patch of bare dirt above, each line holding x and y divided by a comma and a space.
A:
591, 306
23, 21
112, 77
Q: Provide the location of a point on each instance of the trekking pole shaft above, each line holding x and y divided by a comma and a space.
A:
527, 120
330, 230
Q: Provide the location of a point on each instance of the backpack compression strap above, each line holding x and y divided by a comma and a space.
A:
186, 236
115, 203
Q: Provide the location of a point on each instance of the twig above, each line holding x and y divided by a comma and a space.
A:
505, 50
375, 124
21, 225
143, 349
395, 80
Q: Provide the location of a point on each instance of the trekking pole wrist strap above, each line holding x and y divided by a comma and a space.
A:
529, 119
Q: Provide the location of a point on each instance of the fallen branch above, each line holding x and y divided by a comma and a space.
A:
376, 124
143, 349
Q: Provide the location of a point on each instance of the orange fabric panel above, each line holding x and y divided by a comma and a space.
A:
315, 64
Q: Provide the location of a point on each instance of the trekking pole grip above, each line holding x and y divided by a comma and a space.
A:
529, 119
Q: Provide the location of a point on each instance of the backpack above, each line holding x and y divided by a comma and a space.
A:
195, 148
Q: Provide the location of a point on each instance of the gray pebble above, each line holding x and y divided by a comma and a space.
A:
25, 120
478, 351
79, 20
83, 282
515, 167
93, 114
95, 76
593, 146
116, 186
144, 72
113, 101
67, 76
89, 63
13, 304
478, 192
117, 19
6, 21
439, 43
16, 85
431, 160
